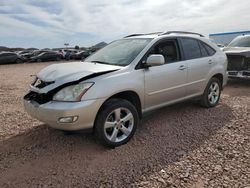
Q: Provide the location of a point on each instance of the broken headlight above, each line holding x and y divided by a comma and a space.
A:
73, 92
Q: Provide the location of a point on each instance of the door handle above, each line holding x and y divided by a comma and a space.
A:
182, 67
210, 61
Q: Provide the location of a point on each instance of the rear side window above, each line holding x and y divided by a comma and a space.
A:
191, 48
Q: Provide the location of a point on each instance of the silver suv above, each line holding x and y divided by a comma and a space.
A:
111, 90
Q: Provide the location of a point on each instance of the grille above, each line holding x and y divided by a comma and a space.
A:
234, 73
39, 98
237, 63
246, 73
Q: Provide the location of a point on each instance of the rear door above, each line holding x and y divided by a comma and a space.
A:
165, 83
199, 64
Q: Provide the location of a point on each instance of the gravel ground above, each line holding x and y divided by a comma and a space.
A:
183, 145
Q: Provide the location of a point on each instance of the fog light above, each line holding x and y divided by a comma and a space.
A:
69, 119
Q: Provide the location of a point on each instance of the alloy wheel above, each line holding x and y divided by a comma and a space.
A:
213, 93
119, 124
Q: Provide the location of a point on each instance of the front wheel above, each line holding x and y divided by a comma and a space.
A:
116, 122
211, 95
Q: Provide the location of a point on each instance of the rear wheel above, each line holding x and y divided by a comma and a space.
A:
39, 60
211, 95
116, 122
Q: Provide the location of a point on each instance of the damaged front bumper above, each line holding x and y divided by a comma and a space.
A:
83, 113
239, 74
238, 64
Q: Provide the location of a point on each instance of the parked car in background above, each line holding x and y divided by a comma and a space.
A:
238, 53
23, 52
46, 56
80, 55
26, 56
67, 52
37, 52
62, 52
10, 57
112, 89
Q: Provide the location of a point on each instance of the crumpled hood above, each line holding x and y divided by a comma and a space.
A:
64, 73
243, 51
72, 71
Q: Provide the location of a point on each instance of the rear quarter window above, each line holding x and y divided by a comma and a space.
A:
204, 51
209, 49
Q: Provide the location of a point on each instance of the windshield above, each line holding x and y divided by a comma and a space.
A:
121, 52
243, 41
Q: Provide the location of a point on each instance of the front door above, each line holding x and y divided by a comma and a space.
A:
166, 83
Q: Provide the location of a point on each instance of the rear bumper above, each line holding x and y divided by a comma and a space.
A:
239, 74
50, 113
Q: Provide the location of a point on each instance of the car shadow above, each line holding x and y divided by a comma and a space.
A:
239, 82
237, 87
46, 156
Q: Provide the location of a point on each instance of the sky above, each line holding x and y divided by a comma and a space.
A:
52, 23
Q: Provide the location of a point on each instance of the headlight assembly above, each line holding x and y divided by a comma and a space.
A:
73, 92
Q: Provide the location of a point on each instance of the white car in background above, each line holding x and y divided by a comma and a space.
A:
238, 53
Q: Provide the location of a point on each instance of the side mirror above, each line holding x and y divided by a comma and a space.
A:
155, 60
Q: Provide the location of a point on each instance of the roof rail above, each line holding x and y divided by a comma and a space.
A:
181, 32
133, 35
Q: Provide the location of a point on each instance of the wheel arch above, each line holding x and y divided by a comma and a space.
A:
128, 95
219, 76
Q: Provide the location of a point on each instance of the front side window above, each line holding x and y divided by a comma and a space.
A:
121, 52
242, 41
191, 48
168, 49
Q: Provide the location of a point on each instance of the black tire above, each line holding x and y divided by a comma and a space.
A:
105, 112
38, 60
205, 101
18, 60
